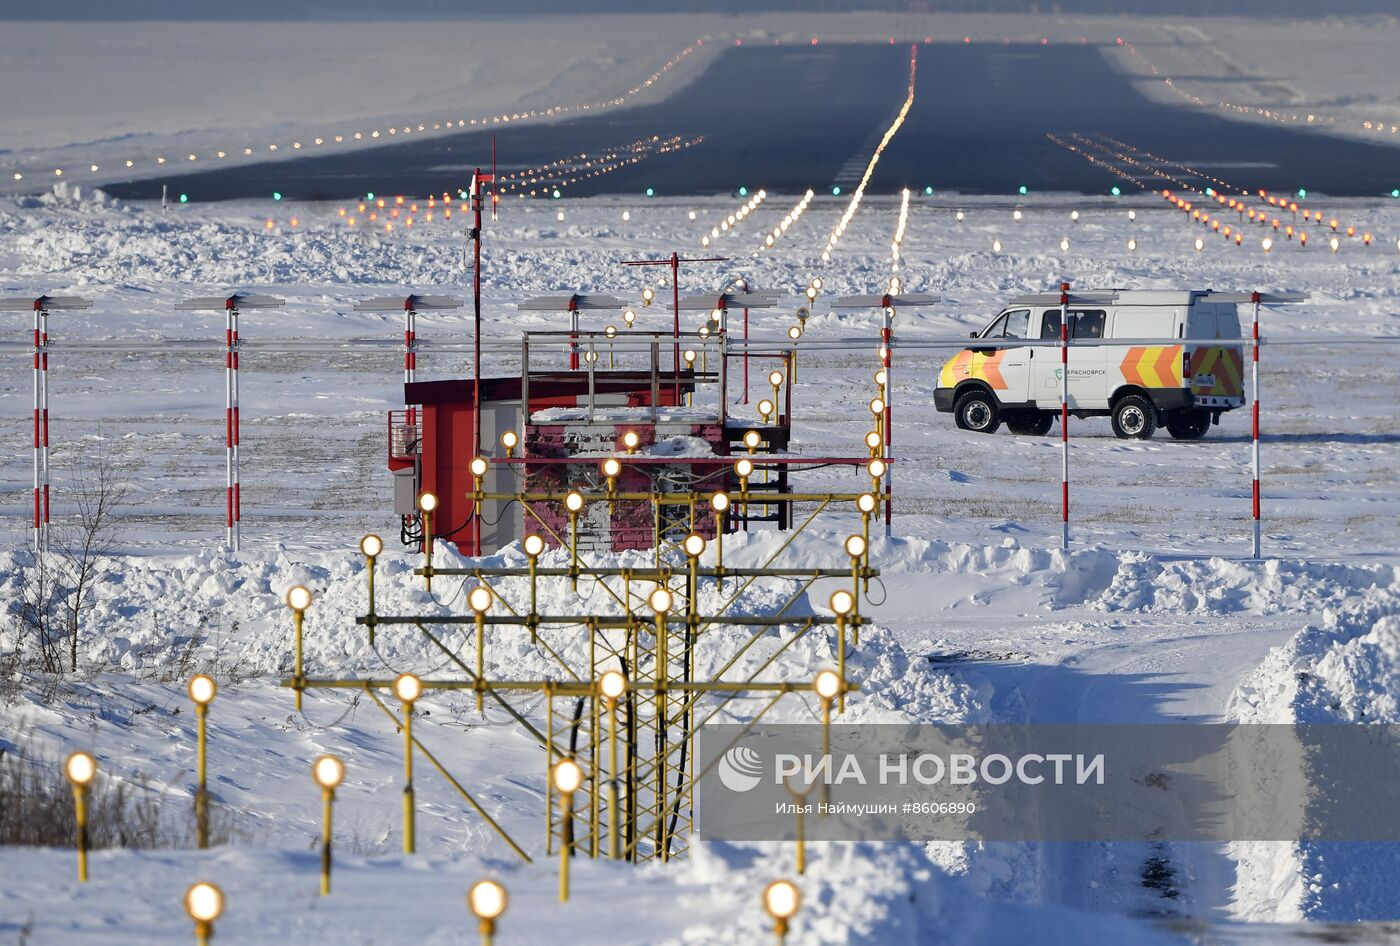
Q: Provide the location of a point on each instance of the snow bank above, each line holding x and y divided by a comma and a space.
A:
228, 611
1218, 586
1113, 580
1345, 669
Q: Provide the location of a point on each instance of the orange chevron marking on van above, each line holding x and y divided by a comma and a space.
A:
1224, 365
1153, 366
969, 364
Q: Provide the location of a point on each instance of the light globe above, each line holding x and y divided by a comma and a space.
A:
612, 684
781, 899
328, 771
487, 899
298, 598
842, 602
407, 687
202, 689
80, 768
204, 902
567, 777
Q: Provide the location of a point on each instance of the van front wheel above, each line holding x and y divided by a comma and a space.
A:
976, 411
1134, 418
1189, 424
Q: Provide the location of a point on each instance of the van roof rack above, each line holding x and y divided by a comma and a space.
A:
1155, 297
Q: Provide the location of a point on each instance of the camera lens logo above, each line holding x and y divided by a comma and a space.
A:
740, 769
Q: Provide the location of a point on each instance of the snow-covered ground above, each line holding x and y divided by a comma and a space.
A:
1276, 71
1155, 614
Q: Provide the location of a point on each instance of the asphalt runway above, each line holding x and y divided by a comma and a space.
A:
792, 117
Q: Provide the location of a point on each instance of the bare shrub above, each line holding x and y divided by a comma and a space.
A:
37, 612
85, 545
56, 578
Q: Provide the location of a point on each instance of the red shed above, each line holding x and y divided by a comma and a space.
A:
430, 449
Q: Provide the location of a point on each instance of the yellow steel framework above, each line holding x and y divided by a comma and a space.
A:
636, 750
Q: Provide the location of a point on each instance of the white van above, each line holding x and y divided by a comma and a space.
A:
1152, 380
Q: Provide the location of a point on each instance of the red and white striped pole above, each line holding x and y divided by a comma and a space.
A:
1064, 414
410, 355
38, 455
232, 498
1254, 419
44, 409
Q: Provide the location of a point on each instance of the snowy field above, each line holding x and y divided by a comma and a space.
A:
1154, 615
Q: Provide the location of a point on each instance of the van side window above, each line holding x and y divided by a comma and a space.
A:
1088, 324
1082, 323
995, 329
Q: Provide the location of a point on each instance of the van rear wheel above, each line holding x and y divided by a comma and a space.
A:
1031, 423
1134, 418
977, 411
1190, 424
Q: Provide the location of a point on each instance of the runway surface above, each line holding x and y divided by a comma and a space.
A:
792, 117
